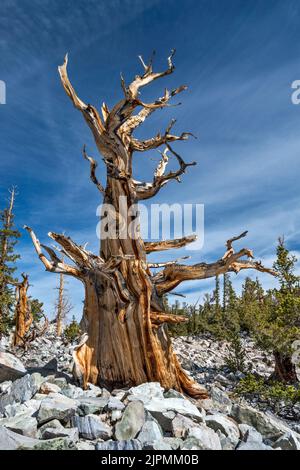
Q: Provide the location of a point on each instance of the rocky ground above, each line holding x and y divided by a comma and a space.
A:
41, 408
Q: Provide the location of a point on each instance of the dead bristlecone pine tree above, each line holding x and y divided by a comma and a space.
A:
23, 315
126, 341
62, 305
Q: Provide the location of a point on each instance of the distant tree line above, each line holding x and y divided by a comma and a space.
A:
271, 318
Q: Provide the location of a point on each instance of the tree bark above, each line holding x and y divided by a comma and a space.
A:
8, 215
126, 340
23, 316
285, 369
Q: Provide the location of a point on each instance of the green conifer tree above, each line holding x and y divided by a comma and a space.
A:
8, 239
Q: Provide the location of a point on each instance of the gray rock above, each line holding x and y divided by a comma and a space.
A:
71, 391
288, 441
158, 406
226, 425
56, 407
120, 394
206, 437
54, 424
52, 433
5, 386
251, 439
132, 421
164, 419
48, 387
22, 390
92, 427
160, 444
173, 394
269, 426
28, 407
11, 368
174, 442
146, 391
91, 405
85, 445
116, 415
192, 443
221, 401
22, 424
59, 443
181, 426
131, 444
10, 440
115, 404
150, 432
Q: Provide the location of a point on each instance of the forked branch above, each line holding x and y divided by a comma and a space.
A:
170, 277
54, 264
148, 190
93, 166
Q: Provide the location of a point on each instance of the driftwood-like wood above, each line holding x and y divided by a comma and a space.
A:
126, 340
23, 316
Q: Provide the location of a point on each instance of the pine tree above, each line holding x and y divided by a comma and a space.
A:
217, 295
8, 239
276, 320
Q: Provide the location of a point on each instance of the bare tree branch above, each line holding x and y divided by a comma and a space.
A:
157, 318
93, 166
148, 190
173, 275
163, 245
52, 266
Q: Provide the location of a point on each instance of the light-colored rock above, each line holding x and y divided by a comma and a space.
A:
48, 387
10, 440
158, 406
116, 415
21, 424
91, 405
92, 427
132, 444
164, 419
5, 386
226, 425
181, 426
54, 424
288, 441
56, 407
174, 442
58, 443
11, 368
269, 426
207, 438
150, 432
220, 399
146, 391
132, 421
173, 394
21, 390
52, 433
160, 444
115, 404
85, 445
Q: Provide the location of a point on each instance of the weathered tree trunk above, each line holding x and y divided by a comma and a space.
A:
8, 215
126, 340
23, 316
59, 316
285, 369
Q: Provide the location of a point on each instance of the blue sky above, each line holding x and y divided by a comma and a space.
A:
238, 59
